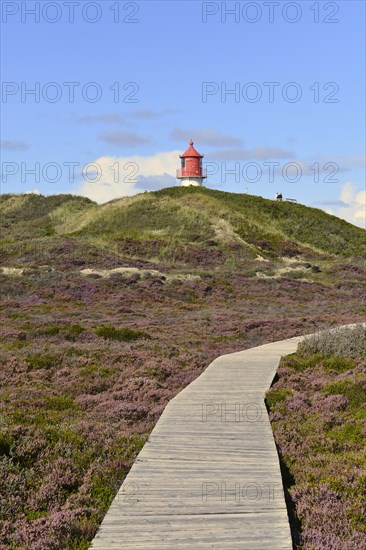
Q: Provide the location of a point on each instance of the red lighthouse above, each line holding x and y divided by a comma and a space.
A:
191, 171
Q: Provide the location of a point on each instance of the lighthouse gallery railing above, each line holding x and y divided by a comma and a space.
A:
185, 173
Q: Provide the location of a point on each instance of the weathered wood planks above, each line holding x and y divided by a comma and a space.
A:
209, 475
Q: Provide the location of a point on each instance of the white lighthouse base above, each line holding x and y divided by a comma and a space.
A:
196, 181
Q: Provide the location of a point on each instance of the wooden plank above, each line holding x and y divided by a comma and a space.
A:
209, 475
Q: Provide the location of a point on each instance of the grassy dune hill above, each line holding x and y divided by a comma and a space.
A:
108, 311
199, 213
179, 217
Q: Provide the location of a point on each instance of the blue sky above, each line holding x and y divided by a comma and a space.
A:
172, 63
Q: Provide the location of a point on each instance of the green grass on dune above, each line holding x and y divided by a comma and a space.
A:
306, 225
91, 354
30, 216
184, 215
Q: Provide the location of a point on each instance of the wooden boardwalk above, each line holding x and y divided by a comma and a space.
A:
209, 475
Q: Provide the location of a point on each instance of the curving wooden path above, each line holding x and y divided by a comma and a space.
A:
209, 475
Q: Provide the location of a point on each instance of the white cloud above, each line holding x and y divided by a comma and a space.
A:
354, 209
139, 114
33, 192
350, 160
258, 153
104, 118
347, 192
13, 145
124, 138
206, 136
121, 176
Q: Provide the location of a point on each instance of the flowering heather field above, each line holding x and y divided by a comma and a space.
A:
318, 414
101, 327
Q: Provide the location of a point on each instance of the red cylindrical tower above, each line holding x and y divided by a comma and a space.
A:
191, 171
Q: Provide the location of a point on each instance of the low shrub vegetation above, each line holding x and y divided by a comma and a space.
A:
318, 414
89, 361
346, 342
124, 334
